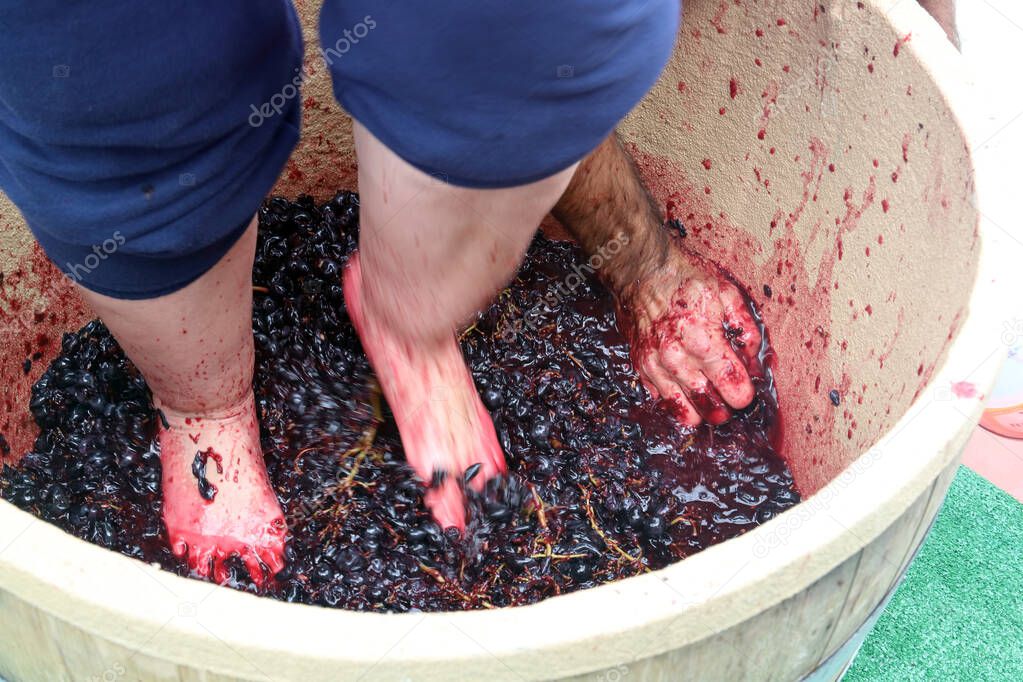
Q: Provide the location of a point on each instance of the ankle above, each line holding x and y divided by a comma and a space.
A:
186, 413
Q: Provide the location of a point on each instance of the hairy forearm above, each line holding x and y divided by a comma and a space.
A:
606, 201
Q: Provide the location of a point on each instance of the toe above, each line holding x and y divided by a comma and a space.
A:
352, 288
272, 557
199, 560
490, 455
447, 504
255, 569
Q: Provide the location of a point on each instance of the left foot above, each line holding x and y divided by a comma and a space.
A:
679, 320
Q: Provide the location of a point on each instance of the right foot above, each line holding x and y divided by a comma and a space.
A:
234, 511
444, 427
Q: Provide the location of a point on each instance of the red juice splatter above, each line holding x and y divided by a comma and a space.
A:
963, 389
899, 43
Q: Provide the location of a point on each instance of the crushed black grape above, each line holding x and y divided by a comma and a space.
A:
603, 483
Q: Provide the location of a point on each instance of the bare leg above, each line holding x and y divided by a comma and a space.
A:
195, 349
674, 307
430, 255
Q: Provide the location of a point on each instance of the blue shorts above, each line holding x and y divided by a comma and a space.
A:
138, 139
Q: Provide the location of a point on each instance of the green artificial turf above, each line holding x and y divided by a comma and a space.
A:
958, 615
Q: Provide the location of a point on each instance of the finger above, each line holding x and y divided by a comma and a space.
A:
710, 404
654, 377
728, 376
650, 388
672, 393
683, 409
737, 316
641, 359
701, 393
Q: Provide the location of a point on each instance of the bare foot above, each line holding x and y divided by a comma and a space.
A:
217, 499
682, 321
444, 427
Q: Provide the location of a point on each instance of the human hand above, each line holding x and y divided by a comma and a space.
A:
693, 338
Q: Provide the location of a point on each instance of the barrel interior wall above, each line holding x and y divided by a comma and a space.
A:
807, 149
324, 160
37, 305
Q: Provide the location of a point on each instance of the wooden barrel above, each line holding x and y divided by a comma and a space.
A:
817, 150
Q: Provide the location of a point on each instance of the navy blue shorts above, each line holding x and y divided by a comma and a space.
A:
138, 139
